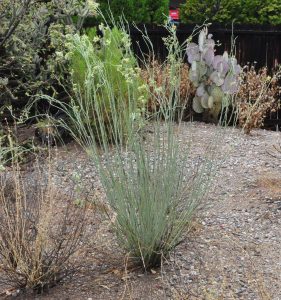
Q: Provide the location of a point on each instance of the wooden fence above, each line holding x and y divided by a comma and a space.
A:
254, 44
259, 45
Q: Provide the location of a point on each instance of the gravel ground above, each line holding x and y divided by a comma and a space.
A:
234, 250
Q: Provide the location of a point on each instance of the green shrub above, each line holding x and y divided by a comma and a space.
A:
138, 11
105, 75
224, 11
28, 59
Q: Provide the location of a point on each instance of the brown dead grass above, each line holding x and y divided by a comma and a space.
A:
271, 185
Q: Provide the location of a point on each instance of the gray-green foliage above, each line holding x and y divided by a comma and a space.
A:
152, 191
214, 76
28, 63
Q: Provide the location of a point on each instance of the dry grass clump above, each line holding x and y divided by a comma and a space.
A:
158, 78
272, 184
40, 231
259, 95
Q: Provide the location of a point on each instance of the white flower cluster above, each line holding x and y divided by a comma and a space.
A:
92, 6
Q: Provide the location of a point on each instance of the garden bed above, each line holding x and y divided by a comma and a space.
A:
233, 250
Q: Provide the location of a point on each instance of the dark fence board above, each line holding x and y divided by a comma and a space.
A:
254, 44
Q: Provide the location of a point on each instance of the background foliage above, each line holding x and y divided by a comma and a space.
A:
138, 11
225, 11
27, 55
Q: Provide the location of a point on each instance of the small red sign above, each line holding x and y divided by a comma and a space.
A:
174, 14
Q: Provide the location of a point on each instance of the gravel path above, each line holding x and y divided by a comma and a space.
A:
234, 251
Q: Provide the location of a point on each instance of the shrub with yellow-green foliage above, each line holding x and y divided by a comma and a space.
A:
106, 77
